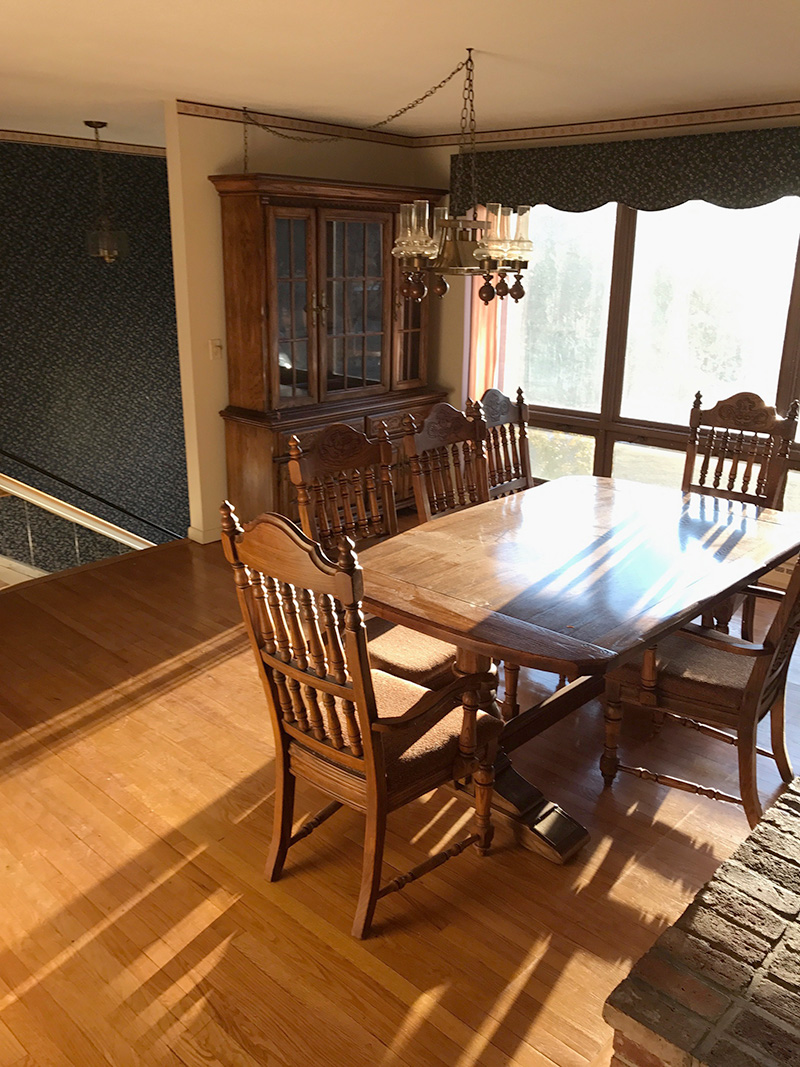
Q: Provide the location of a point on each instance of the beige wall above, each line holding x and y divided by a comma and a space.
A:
197, 147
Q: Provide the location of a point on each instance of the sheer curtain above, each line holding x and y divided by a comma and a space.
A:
487, 346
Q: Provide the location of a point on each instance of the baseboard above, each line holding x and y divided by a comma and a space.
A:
204, 537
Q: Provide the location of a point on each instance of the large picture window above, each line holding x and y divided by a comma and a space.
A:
709, 299
630, 313
556, 338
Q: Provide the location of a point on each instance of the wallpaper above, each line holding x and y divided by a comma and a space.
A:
89, 382
29, 534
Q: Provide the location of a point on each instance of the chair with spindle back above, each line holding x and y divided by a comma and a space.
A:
364, 738
739, 450
509, 471
344, 487
508, 455
447, 456
720, 686
449, 472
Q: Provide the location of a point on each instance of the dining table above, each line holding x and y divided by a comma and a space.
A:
574, 577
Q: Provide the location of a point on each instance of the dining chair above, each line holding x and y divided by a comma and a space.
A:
449, 472
719, 685
344, 488
447, 456
507, 450
343, 484
738, 449
364, 738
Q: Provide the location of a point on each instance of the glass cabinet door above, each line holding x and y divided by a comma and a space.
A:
292, 347
410, 326
355, 267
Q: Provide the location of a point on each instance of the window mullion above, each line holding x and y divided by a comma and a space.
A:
616, 337
789, 375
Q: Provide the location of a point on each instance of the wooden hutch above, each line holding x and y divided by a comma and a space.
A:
316, 330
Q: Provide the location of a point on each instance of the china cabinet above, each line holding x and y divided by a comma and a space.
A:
316, 330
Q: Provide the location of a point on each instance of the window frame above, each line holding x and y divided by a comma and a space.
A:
608, 426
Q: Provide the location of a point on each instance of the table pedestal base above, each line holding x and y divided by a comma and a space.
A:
537, 823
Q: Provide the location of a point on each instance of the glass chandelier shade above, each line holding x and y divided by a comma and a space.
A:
462, 247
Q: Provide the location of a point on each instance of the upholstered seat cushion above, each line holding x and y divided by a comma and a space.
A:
430, 743
683, 665
410, 655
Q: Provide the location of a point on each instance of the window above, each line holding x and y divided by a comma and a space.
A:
709, 300
629, 313
556, 343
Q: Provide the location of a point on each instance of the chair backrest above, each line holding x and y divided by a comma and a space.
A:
507, 452
739, 450
302, 614
447, 457
768, 678
344, 485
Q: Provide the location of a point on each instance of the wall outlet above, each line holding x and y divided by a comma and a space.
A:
215, 348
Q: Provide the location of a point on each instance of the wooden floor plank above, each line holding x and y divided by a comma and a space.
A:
136, 785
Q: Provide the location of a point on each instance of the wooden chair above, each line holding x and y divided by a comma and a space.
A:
344, 488
449, 472
508, 455
742, 446
720, 686
739, 450
447, 456
344, 485
364, 738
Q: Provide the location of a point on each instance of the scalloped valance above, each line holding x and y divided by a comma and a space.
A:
739, 169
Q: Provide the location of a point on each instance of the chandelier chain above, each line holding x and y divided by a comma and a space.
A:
468, 124
465, 63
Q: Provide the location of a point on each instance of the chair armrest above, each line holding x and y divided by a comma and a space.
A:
445, 699
723, 642
764, 592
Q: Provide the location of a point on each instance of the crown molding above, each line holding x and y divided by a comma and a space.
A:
785, 112
86, 143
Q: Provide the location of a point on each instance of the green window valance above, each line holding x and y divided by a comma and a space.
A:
739, 169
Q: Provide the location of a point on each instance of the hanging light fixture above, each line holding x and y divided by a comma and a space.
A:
463, 247
103, 242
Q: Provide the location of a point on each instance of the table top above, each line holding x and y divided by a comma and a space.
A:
574, 575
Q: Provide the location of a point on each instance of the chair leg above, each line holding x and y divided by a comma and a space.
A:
612, 713
483, 780
282, 822
748, 782
748, 618
374, 837
778, 736
509, 708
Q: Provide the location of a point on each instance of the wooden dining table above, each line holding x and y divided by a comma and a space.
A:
575, 576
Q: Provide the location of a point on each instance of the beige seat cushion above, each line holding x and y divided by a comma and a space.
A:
416, 752
684, 666
410, 655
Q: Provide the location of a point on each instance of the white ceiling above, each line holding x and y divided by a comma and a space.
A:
538, 62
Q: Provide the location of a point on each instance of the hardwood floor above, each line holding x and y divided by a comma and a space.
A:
136, 799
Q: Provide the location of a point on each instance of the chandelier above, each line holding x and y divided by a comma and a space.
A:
103, 242
464, 246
